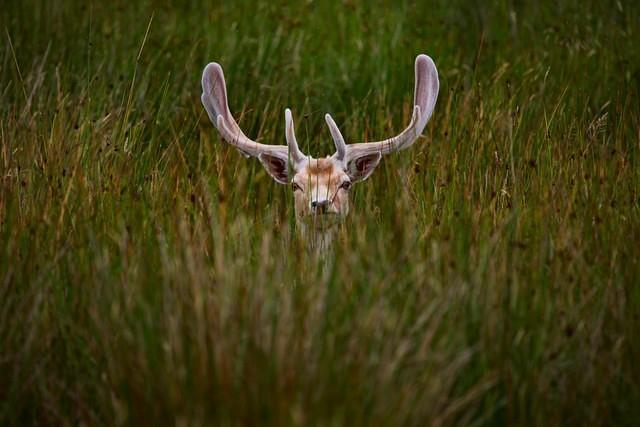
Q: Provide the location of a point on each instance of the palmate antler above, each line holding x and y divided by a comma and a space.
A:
424, 100
358, 160
214, 99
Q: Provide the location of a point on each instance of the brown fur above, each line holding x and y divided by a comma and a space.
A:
320, 167
322, 176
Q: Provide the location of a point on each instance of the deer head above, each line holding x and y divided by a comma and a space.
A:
320, 186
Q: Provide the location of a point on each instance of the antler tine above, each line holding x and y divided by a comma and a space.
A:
424, 100
338, 139
290, 135
214, 99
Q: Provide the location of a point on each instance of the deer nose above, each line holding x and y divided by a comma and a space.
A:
319, 206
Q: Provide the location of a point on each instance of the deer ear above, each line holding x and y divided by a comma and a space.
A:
361, 167
276, 166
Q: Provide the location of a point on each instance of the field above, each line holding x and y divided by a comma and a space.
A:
151, 275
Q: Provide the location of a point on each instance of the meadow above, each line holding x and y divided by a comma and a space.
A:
151, 275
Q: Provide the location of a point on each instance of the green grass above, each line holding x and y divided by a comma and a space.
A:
151, 275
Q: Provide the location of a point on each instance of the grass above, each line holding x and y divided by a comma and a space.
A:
149, 274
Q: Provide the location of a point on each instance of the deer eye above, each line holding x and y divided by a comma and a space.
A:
295, 186
346, 185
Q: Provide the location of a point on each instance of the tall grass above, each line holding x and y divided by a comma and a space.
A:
151, 275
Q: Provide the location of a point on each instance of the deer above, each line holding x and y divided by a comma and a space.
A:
320, 186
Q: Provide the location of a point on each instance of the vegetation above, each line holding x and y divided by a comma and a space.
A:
149, 274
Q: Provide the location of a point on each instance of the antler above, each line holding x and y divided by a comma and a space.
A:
424, 100
214, 99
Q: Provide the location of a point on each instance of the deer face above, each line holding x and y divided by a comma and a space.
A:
320, 186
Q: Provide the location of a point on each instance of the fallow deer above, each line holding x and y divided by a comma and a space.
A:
320, 186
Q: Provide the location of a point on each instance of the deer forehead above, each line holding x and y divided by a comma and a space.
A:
320, 171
